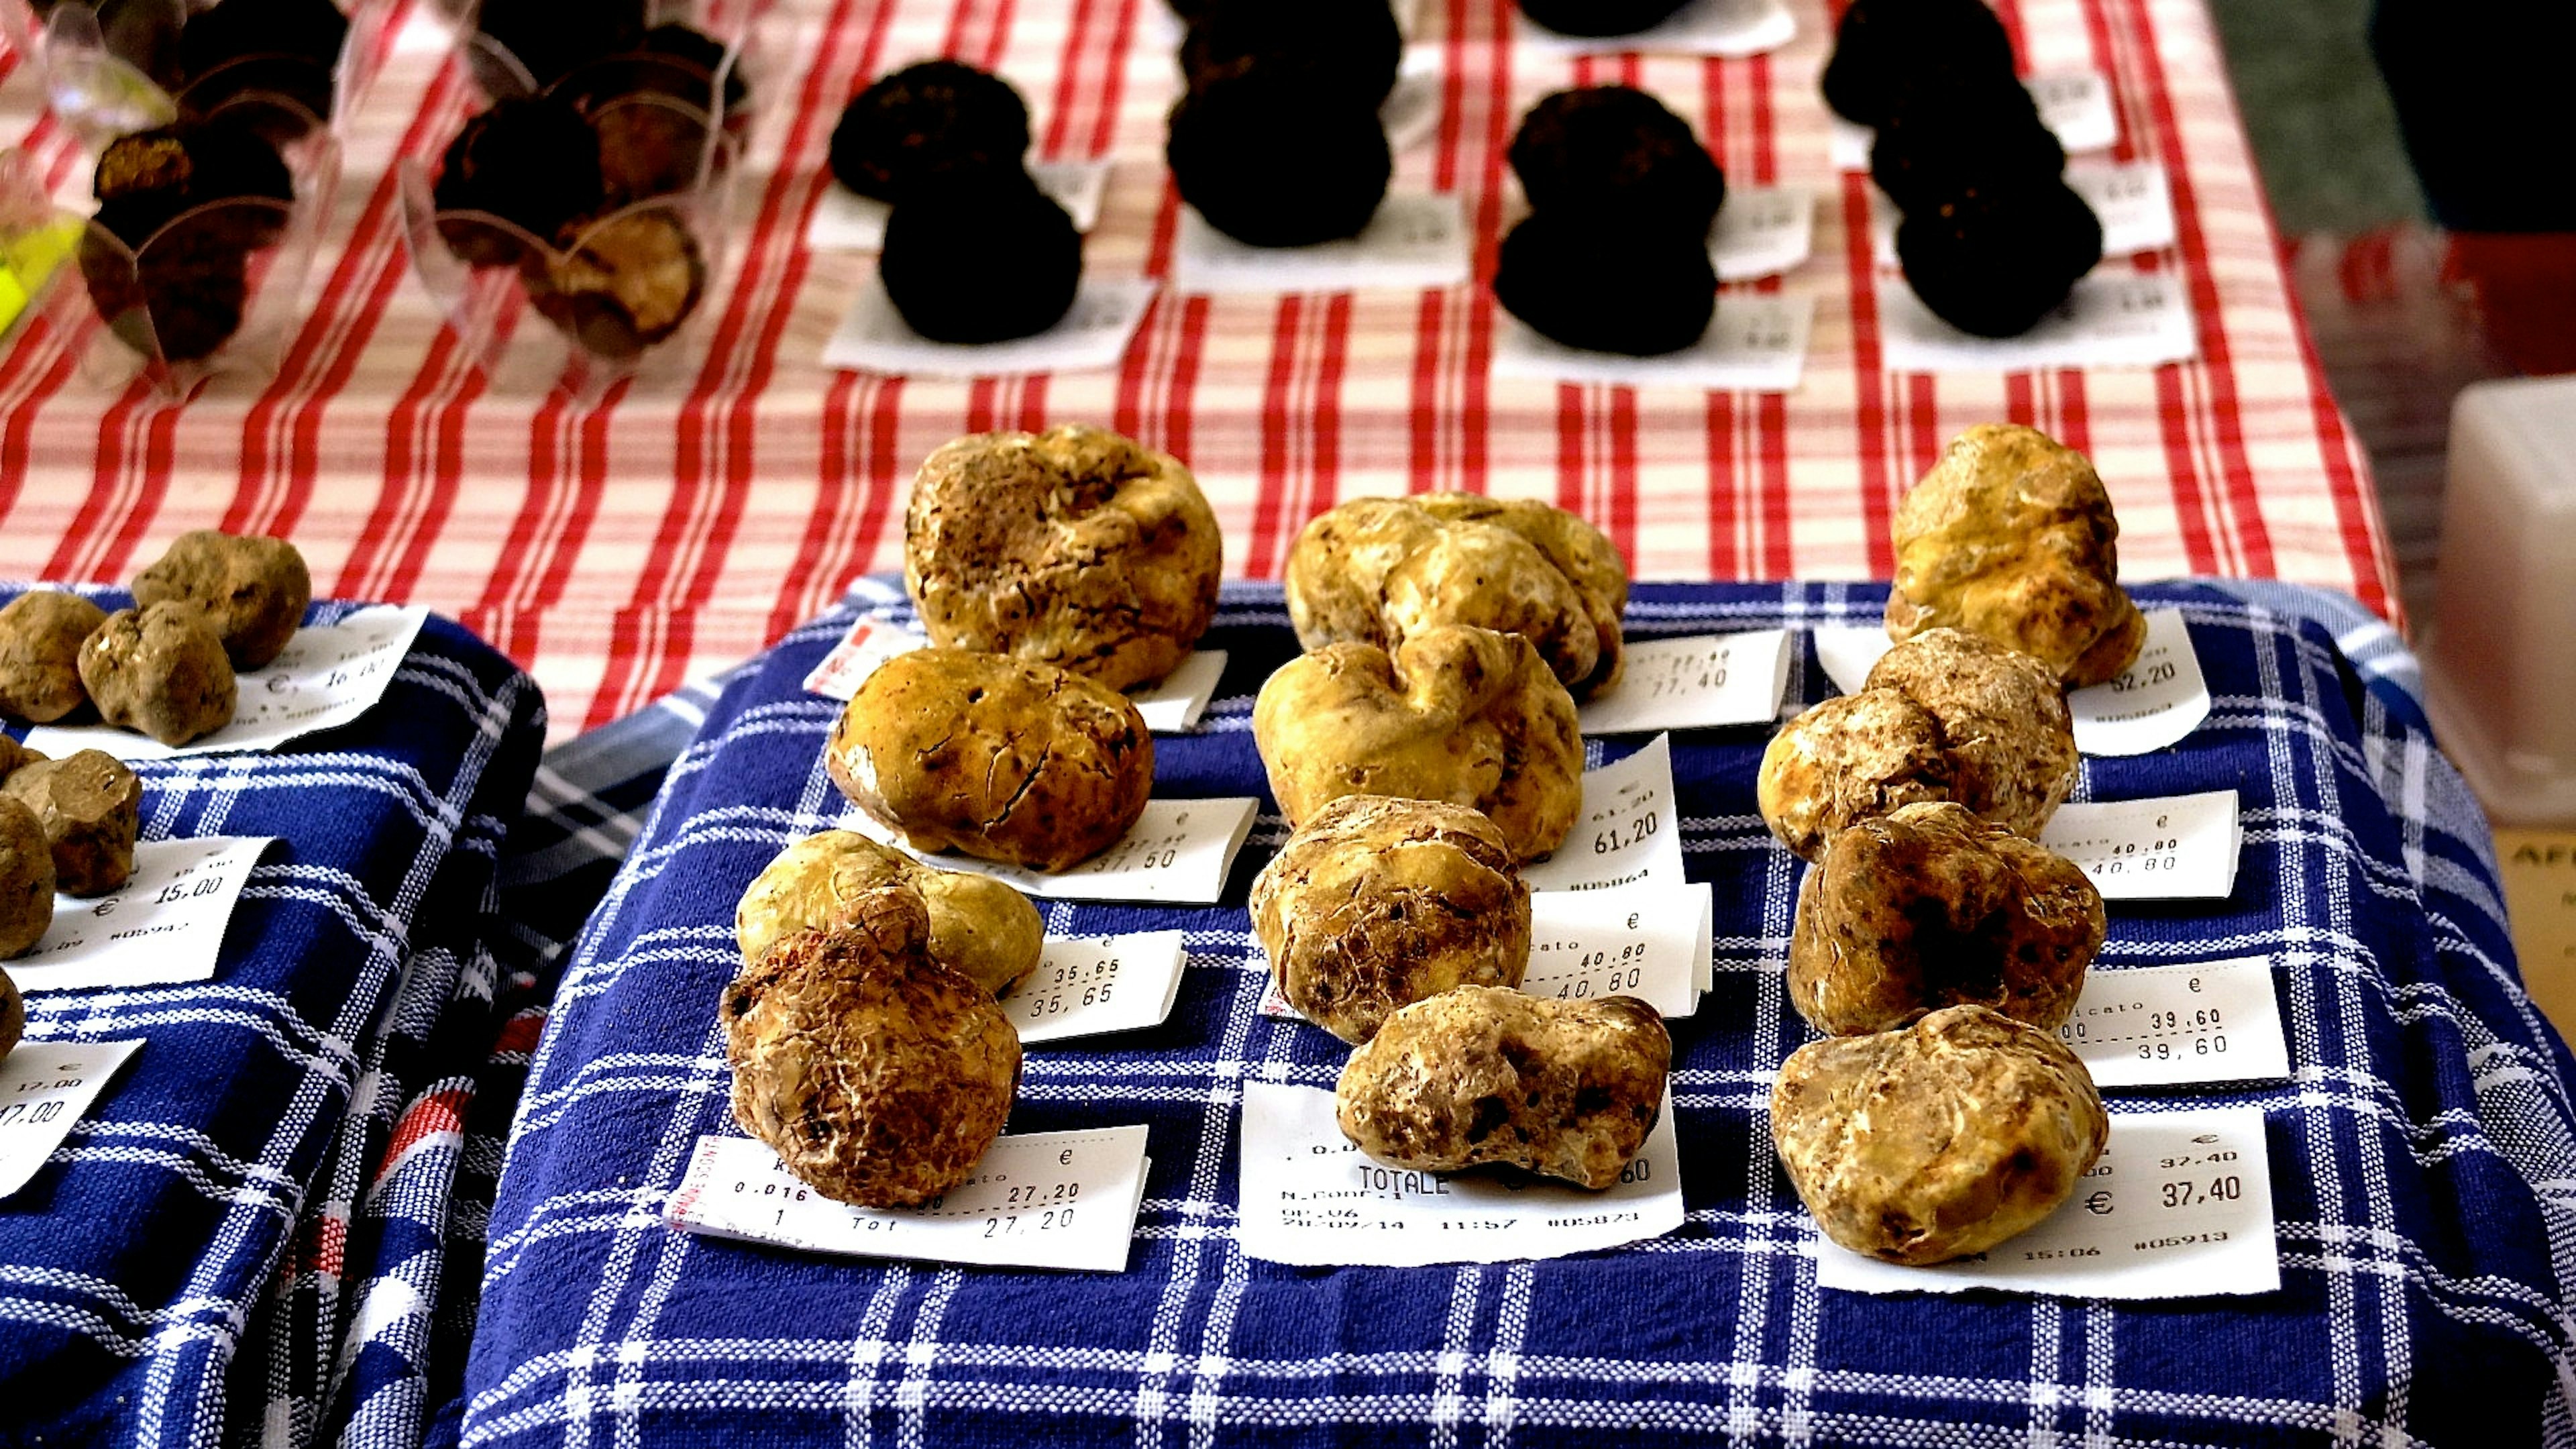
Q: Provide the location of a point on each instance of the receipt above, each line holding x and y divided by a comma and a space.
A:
325, 677
867, 644
165, 924
2155, 702
1699, 682
1092, 336
1089, 985
1756, 343
2176, 1026
2108, 320
1626, 832
1414, 241
45, 1086
1648, 941
1173, 706
2178, 847
1037, 1200
1762, 231
2179, 1206
1309, 1197
1178, 852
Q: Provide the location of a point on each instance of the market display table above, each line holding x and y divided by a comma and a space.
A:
211, 1194
2415, 1150
617, 550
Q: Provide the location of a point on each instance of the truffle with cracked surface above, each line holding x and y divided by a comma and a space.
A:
1377, 570
1073, 547
1936, 1140
160, 670
2011, 537
1000, 758
1944, 716
1377, 903
878, 1075
40, 638
2004, 723
1455, 713
1931, 907
26, 891
1484, 1075
980, 927
254, 589
91, 808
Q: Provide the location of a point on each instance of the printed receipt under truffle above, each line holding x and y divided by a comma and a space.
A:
1073, 547
2011, 536
1000, 758
1377, 903
1458, 713
878, 1075
1380, 570
1486, 1075
1936, 1140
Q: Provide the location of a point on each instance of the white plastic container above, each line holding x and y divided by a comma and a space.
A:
2500, 661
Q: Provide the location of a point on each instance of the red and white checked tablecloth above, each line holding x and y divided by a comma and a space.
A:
616, 550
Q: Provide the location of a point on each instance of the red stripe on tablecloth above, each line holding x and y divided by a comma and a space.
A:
1278, 438
2236, 510
2097, 31
2348, 493
2009, 12
717, 444
1105, 126
369, 269
825, 556
423, 432
1869, 378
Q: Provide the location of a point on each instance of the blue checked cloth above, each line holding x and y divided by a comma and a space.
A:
2423, 1158
141, 1269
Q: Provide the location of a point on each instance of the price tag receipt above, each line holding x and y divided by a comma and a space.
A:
1037, 1200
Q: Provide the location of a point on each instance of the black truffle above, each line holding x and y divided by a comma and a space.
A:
1637, 290
1267, 168
924, 124
1994, 262
1619, 154
983, 260
626, 284
1948, 136
1599, 17
1335, 50
1881, 43
183, 296
549, 38
533, 162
